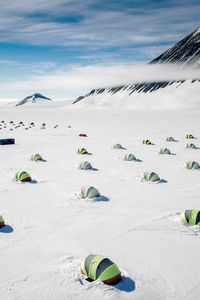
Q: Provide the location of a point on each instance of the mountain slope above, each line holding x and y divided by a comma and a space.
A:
33, 99
186, 52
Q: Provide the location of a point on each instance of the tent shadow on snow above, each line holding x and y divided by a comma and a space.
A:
94, 169
138, 160
6, 229
33, 181
101, 198
89, 170
162, 181
126, 284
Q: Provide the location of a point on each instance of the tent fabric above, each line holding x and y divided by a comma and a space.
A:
111, 275
2, 222
151, 176
129, 157
22, 176
89, 192
118, 146
7, 141
192, 165
36, 157
191, 217
85, 165
147, 142
170, 139
190, 136
86, 264
165, 151
97, 267
191, 146
43, 126
82, 151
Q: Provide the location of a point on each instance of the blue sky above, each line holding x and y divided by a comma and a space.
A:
59, 37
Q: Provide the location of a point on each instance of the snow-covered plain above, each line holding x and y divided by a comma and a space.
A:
52, 230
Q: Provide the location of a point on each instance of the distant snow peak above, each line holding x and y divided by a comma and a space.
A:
33, 99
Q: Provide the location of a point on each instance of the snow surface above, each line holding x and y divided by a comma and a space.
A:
178, 95
52, 230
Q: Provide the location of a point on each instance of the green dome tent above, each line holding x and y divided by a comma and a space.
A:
191, 217
89, 192
165, 151
36, 157
82, 151
22, 176
2, 222
147, 142
85, 165
118, 146
189, 136
191, 146
192, 165
129, 157
170, 139
150, 176
96, 267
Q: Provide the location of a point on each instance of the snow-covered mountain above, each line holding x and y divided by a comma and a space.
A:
33, 99
186, 52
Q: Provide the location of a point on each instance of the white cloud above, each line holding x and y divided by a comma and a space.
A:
80, 80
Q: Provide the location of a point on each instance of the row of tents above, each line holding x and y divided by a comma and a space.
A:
132, 157
120, 147
21, 124
3, 124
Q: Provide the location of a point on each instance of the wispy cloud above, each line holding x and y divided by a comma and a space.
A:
47, 23
71, 83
